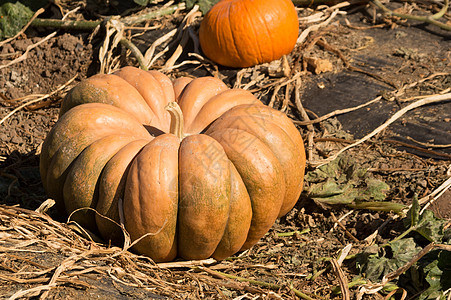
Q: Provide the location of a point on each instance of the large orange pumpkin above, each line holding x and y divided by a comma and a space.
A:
244, 33
201, 170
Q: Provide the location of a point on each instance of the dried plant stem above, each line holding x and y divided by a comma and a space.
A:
311, 130
343, 281
348, 65
348, 234
36, 14
66, 264
428, 200
338, 112
29, 48
176, 119
315, 27
272, 286
428, 145
403, 89
23, 293
432, 152
37, 100
396, 116
307, 3
427, 19
183, 36
341, 219
187, 264
149, 54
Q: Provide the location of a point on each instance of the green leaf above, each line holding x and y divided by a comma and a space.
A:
430, 227
426, 224
438, 276
430, 276
13, 18
377, 266
344, 182
414, 212
204, 5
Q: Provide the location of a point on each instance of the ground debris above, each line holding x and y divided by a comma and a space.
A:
351, 71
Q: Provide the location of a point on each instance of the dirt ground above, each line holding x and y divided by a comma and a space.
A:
397, 59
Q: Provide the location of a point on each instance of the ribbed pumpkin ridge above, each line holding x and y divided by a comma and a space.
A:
210, 189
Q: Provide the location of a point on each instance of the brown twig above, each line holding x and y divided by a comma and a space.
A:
348, 234
342, 280
402, 90
428, 145
350, 67
390, 170
279, 84
338, 112
396, 116
332, 139
432, 152
363, 27
310, 128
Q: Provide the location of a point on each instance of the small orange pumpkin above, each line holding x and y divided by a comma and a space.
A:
207, 176
244, 33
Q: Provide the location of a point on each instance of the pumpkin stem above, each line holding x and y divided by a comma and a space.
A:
176, 119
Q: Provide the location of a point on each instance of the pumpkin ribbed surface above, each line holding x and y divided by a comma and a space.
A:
244, 33
209, 192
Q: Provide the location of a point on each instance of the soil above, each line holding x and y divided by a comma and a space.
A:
398, 52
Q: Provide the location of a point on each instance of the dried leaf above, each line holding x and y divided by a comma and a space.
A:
344, 182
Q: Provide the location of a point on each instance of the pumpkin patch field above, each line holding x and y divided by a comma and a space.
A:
231, 149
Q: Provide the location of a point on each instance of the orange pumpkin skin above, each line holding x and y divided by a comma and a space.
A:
213, 192
244, 33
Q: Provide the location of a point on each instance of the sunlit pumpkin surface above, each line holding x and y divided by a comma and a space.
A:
244, 33
195, 169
